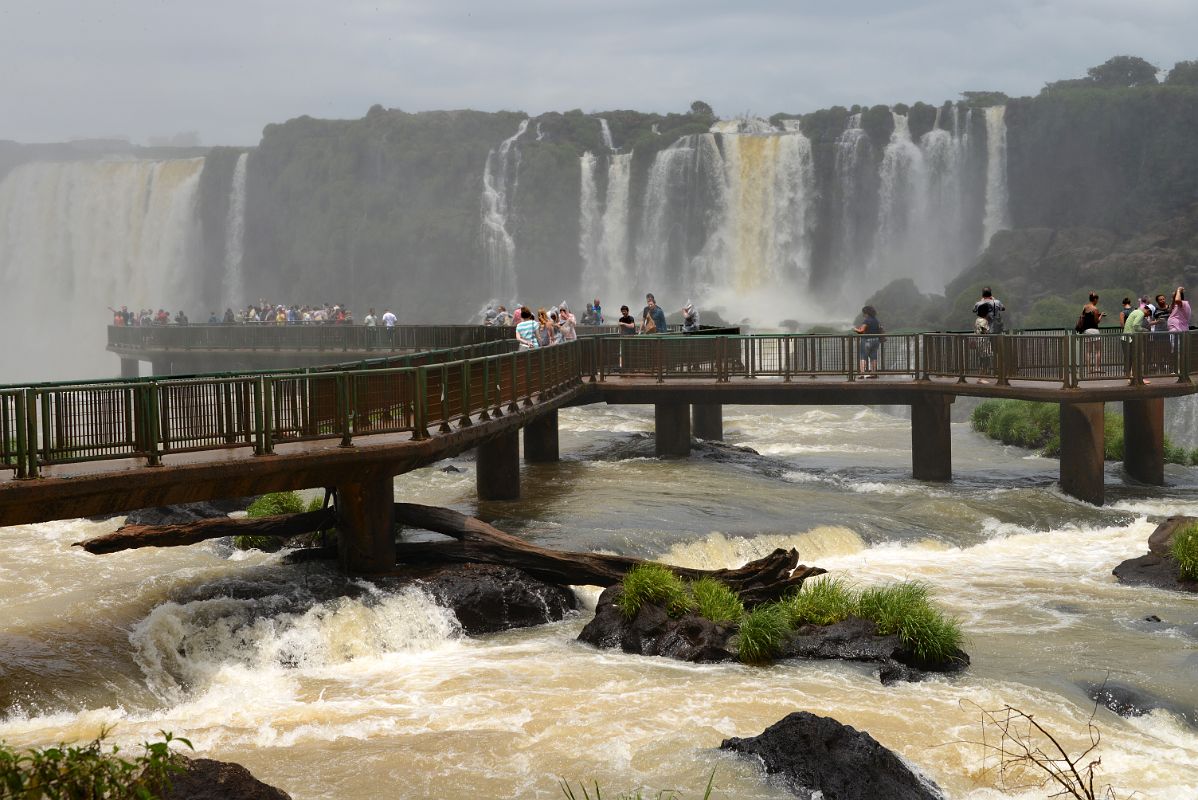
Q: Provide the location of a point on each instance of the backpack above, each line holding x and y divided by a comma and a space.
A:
996, 322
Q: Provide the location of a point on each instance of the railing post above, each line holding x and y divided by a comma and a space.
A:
1182, 356
921, 373
153, 424
26, 444
658, 346
420, 407
343, 399
848, 345
595, 346
513, 406
485, 413
1002, 357
960, 344
1071, 369
466, 399
785, 341
444, 427
1137, 359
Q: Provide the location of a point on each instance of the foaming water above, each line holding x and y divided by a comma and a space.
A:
344, 689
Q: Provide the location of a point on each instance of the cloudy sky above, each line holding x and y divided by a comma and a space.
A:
75, 68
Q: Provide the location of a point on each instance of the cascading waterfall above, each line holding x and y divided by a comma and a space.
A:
613, 247
83, 235
590, 220
996, 218
233, 281
850, 245
500, 180
605, 132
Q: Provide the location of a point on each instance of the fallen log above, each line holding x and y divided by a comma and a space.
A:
475, 541
759, 581
131, 537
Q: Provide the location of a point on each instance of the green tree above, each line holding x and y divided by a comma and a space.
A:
1184, 73
1121, 71
701, 109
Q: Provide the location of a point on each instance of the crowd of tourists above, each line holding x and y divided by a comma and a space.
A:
547, 327
258, 313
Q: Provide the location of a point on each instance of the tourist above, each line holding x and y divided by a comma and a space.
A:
370, 320
526, 330
1160, 314
502, 318
985, 311
1087, 324
598, 312
1136, 323
545, 328
568, 323
389, 324
870, 343
1126, 310
1179, 312
626, 324
690, 318
653, 319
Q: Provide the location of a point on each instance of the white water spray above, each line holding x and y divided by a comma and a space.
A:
233, 280
500, 180
996, 218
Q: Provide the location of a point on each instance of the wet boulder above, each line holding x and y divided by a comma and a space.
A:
205, 779
187, 512
653, 632
818, 757
487, 598
1157, 568
1132, 701
857, 639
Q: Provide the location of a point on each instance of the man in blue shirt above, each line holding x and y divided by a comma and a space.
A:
653, 319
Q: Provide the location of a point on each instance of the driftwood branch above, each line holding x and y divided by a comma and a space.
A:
282, 525
475, 542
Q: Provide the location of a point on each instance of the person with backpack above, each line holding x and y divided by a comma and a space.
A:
987, 313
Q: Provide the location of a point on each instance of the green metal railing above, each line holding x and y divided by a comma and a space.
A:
64, 423
423, 394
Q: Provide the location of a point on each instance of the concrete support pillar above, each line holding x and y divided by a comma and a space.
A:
1082, 451
129, 368
497, 473
540, 439
366, 525
931, 443
1144, 439
160, 365
707, 421
672, 428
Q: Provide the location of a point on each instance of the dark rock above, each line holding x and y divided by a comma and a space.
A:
1160, 540
858, 640
1152, 618
187, 512
1153, 570
488, 598
1132, 701
450, 468
819, 755
205, 779
653, 632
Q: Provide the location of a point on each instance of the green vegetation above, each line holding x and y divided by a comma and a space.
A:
1184, 549
763, 631
88, 772
268, 505
1037, 426
899, 608
716, 602
653, 583
821, 601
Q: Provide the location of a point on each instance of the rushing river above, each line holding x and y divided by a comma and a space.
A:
374, 693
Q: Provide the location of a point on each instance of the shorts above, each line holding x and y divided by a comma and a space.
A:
868, 347
981, 325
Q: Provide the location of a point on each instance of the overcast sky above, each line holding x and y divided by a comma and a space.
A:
76, 68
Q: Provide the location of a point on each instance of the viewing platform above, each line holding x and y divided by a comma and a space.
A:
79, 449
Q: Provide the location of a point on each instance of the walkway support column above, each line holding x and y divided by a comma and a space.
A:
931, 443
497, 473
672, 429
160, 366
1082, 451
1144, 439
707, 421
129, 368
366, 525
540, 439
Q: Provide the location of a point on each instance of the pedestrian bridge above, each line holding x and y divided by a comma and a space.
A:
81, 448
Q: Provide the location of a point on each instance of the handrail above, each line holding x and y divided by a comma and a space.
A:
432, 392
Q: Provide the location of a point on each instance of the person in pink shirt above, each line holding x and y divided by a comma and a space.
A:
1179, 314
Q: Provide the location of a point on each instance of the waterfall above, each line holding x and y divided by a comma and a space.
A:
900, 206
613, 247
80, 236
233, 281
589, 222
996, 173
850, 245
540, 133
500, 180
605, 132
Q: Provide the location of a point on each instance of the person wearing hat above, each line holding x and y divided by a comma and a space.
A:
690, 318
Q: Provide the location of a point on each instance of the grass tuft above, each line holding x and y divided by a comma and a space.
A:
653, 583
1184, 549
762, 633
269, 505
906, 609
821, 601
716, 602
